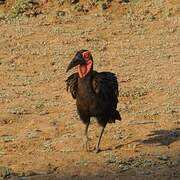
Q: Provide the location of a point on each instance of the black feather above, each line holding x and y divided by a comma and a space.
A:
72, 84
105, 84
96, 94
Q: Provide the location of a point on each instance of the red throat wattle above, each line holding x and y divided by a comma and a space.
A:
83, 70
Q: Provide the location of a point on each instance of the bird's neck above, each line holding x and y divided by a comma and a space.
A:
85, 69
85, 85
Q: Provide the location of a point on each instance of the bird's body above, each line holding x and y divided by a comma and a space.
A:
96, 95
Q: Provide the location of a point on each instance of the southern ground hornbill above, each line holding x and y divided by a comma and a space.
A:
95, 93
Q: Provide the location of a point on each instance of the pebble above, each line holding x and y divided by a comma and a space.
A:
163, 158
61, 13
124, 168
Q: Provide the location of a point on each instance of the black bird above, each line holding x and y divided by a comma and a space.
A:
96, 93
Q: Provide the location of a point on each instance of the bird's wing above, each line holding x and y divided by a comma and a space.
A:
72, 84
105, 84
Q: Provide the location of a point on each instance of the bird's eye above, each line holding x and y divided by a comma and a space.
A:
86, 55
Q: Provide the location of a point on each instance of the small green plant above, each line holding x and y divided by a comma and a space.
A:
110, 158
2, 153
20, 7
18, 110
78, 7
2, 17
5, 172
23, 6
40, 104
7, 138
61, 2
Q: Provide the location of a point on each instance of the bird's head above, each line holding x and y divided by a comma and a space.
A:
83, 59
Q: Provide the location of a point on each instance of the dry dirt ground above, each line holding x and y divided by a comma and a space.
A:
40, 131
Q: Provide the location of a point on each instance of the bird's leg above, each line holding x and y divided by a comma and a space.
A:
85, 144
99, 140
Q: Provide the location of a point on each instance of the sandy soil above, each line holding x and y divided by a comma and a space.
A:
40, 131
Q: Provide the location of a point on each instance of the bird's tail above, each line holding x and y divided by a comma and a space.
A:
115, 116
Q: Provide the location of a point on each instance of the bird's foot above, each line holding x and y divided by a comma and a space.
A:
86, 144
97, 150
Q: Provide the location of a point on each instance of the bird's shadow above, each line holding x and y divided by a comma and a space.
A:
163, 137
159, 137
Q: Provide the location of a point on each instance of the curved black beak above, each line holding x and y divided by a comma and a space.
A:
75, 61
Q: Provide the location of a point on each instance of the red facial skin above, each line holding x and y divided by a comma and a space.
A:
83, 70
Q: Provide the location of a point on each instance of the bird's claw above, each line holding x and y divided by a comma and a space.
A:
97, 150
